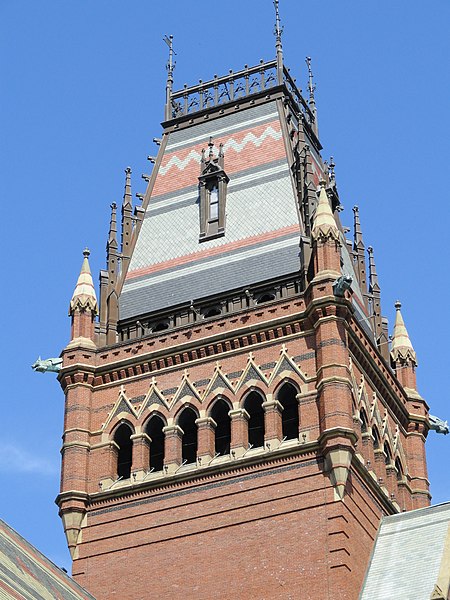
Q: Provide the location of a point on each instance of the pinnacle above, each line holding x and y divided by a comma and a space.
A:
324, 222
402, 347
84, 296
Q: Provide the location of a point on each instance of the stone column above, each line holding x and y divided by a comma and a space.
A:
141, 455
239, 431
272, 424
172, 448
206, 440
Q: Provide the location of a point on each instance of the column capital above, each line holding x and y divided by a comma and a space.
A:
205, 422
239, 413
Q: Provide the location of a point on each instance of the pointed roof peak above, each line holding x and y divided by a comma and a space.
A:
402, 348
84, 296
324, 222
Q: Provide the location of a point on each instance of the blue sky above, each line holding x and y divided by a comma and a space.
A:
82, 92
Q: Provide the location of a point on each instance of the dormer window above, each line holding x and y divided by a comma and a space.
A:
213, 192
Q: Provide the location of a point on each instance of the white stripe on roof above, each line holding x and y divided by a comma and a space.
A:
224, 130
212, 264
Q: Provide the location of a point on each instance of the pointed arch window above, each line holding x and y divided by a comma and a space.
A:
155, 432
375, 438
189, 437
213, 183
253, 405
222, 433
287, 397
122, 437
363, 420
387, 454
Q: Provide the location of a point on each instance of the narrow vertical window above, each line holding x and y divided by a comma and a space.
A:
222, 433
387, 454
253, 405
122, 437
214, 204
287, 397
155, 433
189, 437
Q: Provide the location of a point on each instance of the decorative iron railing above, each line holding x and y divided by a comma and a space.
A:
232, 87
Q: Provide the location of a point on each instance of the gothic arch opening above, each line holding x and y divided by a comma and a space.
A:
122, 437
364, 421
222, 433
387, 454
287, 397
189, 437
253, 405
375, 438
399, 468
155, 432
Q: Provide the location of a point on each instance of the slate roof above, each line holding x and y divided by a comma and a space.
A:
411, 556
27, 574
169, 265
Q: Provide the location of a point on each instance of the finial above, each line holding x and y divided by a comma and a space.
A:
373, 276
332, 166
210, 146
311, 84
112, 238
279, 46
86, 252
170, 68
398, 305
312, 97
127, 197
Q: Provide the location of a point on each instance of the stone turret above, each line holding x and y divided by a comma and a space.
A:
83, 307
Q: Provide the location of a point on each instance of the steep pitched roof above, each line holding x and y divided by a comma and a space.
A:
411, 557
26, 573
169, 264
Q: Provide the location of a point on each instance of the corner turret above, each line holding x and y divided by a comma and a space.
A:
83, 306
402, 352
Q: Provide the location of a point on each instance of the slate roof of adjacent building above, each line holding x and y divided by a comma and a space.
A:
25, 573
411, 556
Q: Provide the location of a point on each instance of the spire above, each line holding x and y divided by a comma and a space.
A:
324, 223
401, 349
127, 197
373, 277
278, 44
359, 252
84, 297
377, 320
112, 236
312, 98
169, 85
127, 221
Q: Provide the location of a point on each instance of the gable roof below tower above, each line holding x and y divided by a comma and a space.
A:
411, 557
27, 573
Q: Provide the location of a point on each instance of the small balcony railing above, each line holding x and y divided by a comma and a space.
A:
233, 87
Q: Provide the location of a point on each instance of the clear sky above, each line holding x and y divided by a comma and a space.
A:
82, 93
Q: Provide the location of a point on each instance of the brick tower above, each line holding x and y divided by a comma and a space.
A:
235, 425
